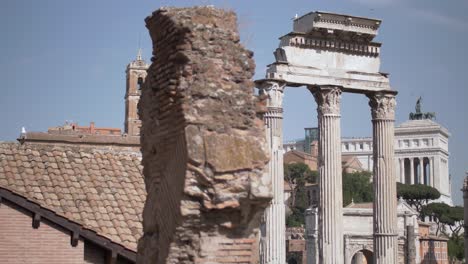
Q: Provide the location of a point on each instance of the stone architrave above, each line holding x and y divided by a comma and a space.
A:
273, 240
385, 201
330, 182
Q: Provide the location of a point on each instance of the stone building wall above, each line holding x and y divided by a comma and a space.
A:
203, 142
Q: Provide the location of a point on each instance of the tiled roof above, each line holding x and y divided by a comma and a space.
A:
101, 189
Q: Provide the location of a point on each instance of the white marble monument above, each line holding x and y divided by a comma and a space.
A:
421, 155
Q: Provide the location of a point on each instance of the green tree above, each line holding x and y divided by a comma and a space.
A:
445, 216
417, 195
456, 248
357, 187
297, 175
452, 217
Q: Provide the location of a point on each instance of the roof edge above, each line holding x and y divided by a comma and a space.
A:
121, 140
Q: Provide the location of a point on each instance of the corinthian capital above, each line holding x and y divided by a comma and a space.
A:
382, 105
274, 90
328, 99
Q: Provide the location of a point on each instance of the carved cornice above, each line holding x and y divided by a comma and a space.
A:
382, 106
328, 99
275, 92
369, 49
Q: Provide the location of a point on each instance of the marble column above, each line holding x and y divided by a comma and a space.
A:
402, 170
421, 170
330, 182
311, 221
273, 240
384, 179
431, 171
411, 170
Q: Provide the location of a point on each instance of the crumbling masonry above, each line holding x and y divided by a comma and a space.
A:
203, 142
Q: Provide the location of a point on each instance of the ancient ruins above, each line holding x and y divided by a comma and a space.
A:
203, 142
331, 54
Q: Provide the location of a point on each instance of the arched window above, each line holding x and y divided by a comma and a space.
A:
139, 82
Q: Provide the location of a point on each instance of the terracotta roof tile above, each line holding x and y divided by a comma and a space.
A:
101, 189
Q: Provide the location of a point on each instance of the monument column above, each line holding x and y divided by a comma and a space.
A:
330, 182
411, 170
402, 170
431, 171
273, 241
421, 170
385, 200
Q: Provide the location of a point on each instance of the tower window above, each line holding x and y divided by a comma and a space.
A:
139, 82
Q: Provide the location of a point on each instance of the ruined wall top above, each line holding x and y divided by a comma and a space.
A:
203, 141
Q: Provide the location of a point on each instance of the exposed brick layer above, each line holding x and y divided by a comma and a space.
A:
203, 142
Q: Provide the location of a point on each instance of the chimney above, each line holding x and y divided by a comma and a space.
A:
314, 148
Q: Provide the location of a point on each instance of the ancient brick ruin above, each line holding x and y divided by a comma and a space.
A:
203, 142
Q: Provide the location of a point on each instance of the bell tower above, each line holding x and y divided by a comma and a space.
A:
136, 74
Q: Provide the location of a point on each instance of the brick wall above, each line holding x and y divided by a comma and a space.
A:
203, 142
21, 243
48, 244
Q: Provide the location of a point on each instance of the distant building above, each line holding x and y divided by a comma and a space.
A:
414, 238
136, 75
75, 129
421, 154
432, 249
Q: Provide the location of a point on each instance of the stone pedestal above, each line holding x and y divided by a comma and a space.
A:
330, 182
273, 240
385, 200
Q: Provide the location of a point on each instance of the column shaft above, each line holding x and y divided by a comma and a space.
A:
273, 248
385, 200
421, 170
330, 182
402, 170
412, 170
431, 171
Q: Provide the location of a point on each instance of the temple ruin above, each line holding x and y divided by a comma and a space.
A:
331, 54
203, 140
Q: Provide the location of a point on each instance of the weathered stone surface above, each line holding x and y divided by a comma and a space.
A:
230, 153
203, 141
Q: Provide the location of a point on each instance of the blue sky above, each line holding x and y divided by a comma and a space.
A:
65, 60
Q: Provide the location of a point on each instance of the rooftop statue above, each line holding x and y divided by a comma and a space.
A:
418, 115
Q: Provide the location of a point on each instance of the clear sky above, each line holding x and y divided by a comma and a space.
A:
65, 60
